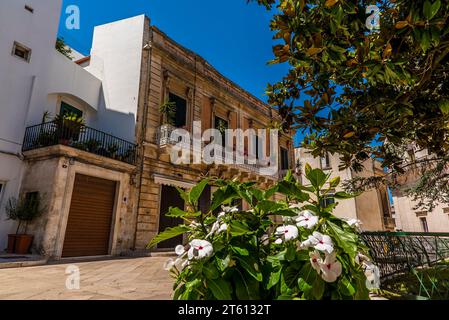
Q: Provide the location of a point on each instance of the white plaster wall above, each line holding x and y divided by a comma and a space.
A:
38, 32
18, 80
116, 59
406, 218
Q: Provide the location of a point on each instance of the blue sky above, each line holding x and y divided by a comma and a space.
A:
232, 35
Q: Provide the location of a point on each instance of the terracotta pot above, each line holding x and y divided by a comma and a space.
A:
11, 243
23, 243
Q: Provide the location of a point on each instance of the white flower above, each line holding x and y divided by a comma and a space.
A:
361, 258
287, 233
307, 220
355, 223
331, 268
217, 228
195, 224
230, 209
278, 241
180, 250
319, 242
295, 206
169, 264
316, 260
223, 228
372, 274
200, 249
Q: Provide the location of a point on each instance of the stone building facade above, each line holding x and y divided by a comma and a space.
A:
171, 72
409, 217
372, 208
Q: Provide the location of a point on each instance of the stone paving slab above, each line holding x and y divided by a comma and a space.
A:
123, 279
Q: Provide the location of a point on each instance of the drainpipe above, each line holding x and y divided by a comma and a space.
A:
148, 47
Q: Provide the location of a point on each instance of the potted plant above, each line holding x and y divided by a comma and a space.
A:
92, 145
112, 150
68, 127
23, 210
168, 110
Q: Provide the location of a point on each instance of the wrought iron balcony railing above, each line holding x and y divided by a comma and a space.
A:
164, 138
79, 137
400, 252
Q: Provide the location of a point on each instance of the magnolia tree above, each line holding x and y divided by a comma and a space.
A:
246, 255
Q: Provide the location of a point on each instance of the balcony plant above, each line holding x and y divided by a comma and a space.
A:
112, 150
244, 254
92, 145
23, 210
168, 111
68, 127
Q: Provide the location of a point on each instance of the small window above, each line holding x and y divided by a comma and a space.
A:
28, 8
325, 162
222, 125
446, 210
180, 117
285, 162
21, 52
424, 224
67, 109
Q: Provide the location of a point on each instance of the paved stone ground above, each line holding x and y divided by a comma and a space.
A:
122, 279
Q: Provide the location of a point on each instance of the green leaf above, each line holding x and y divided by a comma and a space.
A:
346, 288
425, 40
184, 195
246, 288
345, 240
176, 213
169, 233
343, 195
430, 10
197, 191
251, 266
270, 206
334, 182
222, 196
308, 169
317, 178
210, 271
444, 106
223, 264
240, 251
220, 288
274, 279
239, 229
318, 288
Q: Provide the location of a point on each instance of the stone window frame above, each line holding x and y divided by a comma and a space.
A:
187, 93
17, 45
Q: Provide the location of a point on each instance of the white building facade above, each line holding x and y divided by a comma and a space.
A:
37, 83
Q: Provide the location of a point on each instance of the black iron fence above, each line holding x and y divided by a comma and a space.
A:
400, 252
81, 137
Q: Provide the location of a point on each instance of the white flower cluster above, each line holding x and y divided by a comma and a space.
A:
199, 249
329, 268
372, 272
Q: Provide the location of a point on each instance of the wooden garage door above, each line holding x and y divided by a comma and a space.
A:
90, 217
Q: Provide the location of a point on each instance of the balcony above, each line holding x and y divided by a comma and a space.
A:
390, 223
82, 138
